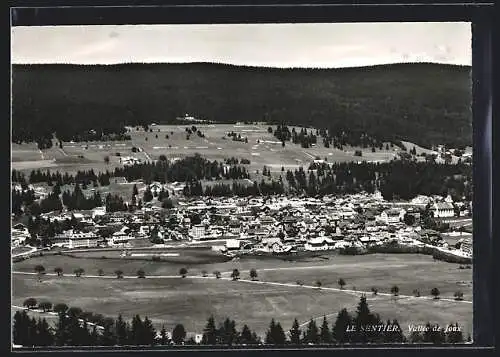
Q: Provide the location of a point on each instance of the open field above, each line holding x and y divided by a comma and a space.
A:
171, 299
19, 250
216, 145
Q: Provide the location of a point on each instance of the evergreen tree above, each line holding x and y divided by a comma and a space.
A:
209, 332
228, 332
246, 337
279, 335
19, 330
275, 335
149, 333
148, 196
295, 333
395, 334
325, 334
61, 333
312, 333
121, 331
340, 329
108, 334
416, 337
434, 334
179, 334
269, 333
45, 336
454, 334
33, 337
136, 330
163, 336
363, 321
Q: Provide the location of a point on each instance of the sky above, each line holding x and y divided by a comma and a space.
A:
272, 45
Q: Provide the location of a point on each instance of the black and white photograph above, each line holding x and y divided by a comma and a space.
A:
294, 185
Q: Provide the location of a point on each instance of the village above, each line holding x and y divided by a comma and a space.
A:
273, 225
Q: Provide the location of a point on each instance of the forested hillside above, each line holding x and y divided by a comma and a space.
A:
423, 103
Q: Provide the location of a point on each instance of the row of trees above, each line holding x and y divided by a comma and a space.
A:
262, 188
361, 327
83, 177
336, 136
303, 137
395, 179
21, 199
187, 169
235, 275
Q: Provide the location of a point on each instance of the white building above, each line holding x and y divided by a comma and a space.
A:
347, 212
71, 240
320, 243
421, 200
98, 212
122, 237
197, 231
466, 246
392, 216
443, 210
155, 188
129, 160
144, 230
233, 244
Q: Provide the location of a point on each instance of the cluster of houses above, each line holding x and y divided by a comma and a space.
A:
261, 225
19, 235
129, 160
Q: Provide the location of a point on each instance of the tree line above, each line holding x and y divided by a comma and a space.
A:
395, 180
85, 177
337, 136
73, 329
262, 188
187, 169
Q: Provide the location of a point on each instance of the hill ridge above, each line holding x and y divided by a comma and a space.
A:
426, 103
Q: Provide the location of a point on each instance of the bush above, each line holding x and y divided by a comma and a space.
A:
30, 303
341, 283
435, 292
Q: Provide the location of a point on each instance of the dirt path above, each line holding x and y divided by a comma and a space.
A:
260, 282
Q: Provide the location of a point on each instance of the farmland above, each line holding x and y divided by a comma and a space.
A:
261, 149
169, 299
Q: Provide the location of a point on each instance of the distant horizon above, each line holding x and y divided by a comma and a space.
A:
292, 45
237, 65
